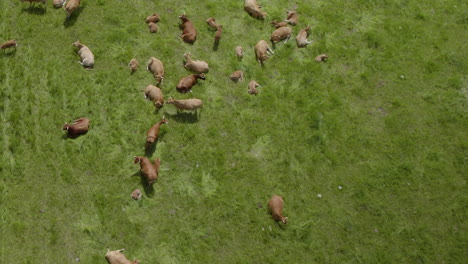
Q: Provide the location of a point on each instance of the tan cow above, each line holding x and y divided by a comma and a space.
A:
275, 206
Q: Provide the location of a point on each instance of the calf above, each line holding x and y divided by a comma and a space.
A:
280, 34
189, 34
116, 257
253, 87
195, 66
154, 94
291, 18
58, 3
9, 44
153, 132
301, 38
237, 76
185, 84
253, 9
321, 58
153, 28
239, 52
262, 50
156, 67
218, 34
279, 24
153, 18
148, 169
87, 57
71, 6
212, 23
136, 194
187, 104
275, 206
133, 65
79, 127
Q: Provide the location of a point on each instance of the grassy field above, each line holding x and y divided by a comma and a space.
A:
385, 118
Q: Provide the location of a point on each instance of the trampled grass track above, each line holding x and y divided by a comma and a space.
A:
385, 118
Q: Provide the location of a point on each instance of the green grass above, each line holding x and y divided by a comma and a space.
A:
385, 118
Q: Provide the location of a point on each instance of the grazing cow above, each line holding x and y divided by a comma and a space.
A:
148, 169
212, 23
291, 18
253, 9
321, 58
153, 132
301, 38
218, 33
154, 94
116, 257
189, 34
153, 18
262, 50
185, 84
239, 52
87, 57
195, 66
79, 127
9, 44
253, 87
133, 65
187, 104
58, 3
279, 24
156, 67
237, 76
280, 34
71, 6
136, 194
275, 206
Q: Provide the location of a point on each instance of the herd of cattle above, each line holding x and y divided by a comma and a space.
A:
152, 92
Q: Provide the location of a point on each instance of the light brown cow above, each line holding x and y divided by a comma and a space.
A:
79, 127
71, 6
133, 65
153, 132
291, 18
253, 9
237, 76
197, 65
212, 23
186, 83
280, 34
148, 169
136, 194
58, 3
239, 52
9, 44
262, 51
156, 67
275, 206
301, 38
253, 87
189, 34
154, 94
87, 57
187, 104
279, 24
321, 58
116, 257
153, 28
153, 18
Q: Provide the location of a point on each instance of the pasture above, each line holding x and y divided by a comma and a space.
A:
368, 149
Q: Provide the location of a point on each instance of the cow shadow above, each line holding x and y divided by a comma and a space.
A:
216, 45
35, 10
9, 53
185, 117
73, 17
68, 136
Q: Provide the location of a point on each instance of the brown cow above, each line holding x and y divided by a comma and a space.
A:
153, 18
275, 206
253, 9
79, 127
189, 34
185, 84
280, 34
153, 132
156, 67
237, 76
9, 44
71, 6
147, 168
153, 28
262, 50
292, 18
154, 94
133, 65
187, 104
116, 257
253, 87
301, 38
212, 23
279, 24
